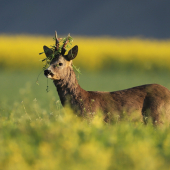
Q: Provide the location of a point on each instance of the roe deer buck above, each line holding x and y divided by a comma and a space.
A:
151, 100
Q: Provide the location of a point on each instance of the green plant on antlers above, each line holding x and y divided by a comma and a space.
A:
49, 58
62, 41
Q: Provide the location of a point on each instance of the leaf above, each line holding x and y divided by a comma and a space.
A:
41, 53
37, 82
76, 69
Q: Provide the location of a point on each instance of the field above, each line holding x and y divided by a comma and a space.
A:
36, 133
95, 53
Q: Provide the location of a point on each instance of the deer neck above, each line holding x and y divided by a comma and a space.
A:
69, 90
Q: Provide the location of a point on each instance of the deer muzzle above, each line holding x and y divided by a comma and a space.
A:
48, 73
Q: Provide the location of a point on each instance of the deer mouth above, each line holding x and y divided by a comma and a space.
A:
48, 73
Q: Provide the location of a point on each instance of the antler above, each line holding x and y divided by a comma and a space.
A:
63, 50
57, 41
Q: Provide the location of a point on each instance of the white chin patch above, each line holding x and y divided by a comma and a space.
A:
49, 76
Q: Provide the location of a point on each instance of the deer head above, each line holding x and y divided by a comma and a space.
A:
61, 63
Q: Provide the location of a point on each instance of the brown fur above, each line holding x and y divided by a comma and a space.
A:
151, 100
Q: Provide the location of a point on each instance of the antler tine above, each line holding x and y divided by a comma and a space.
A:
64, 45
57, 41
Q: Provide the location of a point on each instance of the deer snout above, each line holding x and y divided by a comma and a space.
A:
48, 72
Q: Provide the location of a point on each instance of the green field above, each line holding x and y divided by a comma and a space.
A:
19, 85
35, 132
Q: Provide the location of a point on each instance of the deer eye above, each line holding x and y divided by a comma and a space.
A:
58, 65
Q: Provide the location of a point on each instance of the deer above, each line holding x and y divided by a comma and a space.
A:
147, 101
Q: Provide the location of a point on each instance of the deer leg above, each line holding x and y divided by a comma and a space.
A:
151, 109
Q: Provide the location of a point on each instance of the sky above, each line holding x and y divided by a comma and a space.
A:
116, 18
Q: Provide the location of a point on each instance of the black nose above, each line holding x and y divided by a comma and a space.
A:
47, 72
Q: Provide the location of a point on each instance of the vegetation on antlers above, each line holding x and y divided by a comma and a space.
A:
61, 46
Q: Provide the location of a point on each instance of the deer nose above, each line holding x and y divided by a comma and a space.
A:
47, 72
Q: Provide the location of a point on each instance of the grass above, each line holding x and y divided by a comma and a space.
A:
35, 133
17, 85
55, 142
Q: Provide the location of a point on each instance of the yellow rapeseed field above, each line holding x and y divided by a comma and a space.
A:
22, 51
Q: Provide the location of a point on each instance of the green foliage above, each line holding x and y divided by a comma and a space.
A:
48, 59
36, 133
33, 138
62, 41
77, 71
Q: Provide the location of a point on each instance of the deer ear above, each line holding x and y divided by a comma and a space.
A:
72, 53
48, 52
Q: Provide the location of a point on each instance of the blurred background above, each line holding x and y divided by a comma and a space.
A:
117, 18
121, 44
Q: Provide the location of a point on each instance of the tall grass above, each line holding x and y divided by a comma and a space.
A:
34, 138
21, 51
